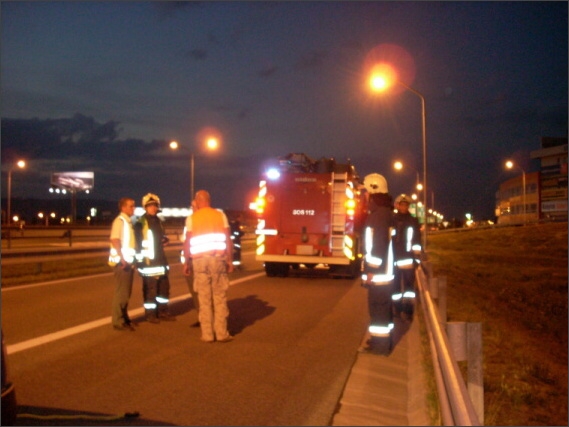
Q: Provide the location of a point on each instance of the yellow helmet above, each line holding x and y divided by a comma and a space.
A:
375, 183
150, 199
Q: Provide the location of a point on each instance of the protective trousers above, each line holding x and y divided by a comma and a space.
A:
156, 293
211, 283
380, 313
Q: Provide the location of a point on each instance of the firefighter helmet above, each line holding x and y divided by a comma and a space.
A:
151, 199
375, 183
402, 198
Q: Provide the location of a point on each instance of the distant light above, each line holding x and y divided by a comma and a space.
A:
273, 174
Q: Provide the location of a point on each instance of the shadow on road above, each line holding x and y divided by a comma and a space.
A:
244, 312
41, 416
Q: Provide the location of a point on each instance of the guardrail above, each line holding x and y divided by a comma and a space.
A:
455, 403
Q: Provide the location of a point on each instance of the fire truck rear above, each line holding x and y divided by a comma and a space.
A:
309, 216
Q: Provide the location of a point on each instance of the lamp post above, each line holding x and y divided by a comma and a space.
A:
380, 82
21, 164
211, 144
509, 165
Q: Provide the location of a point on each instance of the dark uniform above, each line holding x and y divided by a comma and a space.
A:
407, 250
152, 265
377, 268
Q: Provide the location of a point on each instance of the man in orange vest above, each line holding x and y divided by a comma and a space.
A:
210, 251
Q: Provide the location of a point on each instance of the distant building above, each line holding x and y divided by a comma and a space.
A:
545, 191
510, 200
553, 178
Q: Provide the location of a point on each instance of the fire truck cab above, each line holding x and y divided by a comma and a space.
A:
309, 214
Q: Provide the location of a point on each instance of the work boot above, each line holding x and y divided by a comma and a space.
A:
151, 316
164, 314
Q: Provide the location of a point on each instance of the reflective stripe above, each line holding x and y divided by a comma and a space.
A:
159, 270
380, 330
396, 297
149, 305
207, 243
409, 238
369, 258
409, 294
162, 300
147, 250
402, 263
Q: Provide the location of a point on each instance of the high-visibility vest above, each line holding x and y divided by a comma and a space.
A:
147, 255
127, 244
208, 233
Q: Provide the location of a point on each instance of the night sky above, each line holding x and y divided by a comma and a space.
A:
104, 86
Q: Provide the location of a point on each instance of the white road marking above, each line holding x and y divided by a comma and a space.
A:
34, 342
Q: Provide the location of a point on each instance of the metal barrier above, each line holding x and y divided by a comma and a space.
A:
455, 403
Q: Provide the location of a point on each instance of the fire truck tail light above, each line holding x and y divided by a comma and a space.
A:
260, 204
350, 205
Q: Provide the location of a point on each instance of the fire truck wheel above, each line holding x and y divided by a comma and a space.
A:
277, 269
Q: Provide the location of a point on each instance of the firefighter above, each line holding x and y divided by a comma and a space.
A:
407, 250
152, 264
377, 266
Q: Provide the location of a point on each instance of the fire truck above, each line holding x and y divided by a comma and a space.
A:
309, 215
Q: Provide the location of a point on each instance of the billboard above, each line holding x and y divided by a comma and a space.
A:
80, 181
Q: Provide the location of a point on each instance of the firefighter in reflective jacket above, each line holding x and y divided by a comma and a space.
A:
377, 266
407, 249
152, 264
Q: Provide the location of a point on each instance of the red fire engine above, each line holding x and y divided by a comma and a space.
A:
309, 215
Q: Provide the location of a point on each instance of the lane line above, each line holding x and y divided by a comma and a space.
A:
34, 342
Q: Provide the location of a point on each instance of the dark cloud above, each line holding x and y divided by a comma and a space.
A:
268, 71
311, 60
198, 54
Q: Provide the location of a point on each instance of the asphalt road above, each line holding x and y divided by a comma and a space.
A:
296, 340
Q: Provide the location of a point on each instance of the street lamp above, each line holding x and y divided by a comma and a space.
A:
21, 164
211, 143
398, 166
380, 80
509, 165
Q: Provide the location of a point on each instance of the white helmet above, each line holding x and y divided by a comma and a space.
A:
149, 199
375, 183
402, 198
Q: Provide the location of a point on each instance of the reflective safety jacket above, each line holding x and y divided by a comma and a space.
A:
127, 240
406, 241
150, 238
208, 233
377, 266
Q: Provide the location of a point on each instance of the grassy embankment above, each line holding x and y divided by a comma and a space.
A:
514, 281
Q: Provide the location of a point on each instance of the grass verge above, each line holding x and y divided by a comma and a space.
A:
514, 281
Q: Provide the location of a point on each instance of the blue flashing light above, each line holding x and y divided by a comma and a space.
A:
273, 174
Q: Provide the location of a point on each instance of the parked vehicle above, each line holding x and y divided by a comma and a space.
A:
309, 215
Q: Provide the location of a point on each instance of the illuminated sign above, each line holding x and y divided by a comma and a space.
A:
73, 180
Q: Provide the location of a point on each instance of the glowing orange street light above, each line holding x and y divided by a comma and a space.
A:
510, 165
383, 76
398, 166
211, 143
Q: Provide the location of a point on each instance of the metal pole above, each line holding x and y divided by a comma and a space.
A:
191, 177
424, 132
8, 212
524, 193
